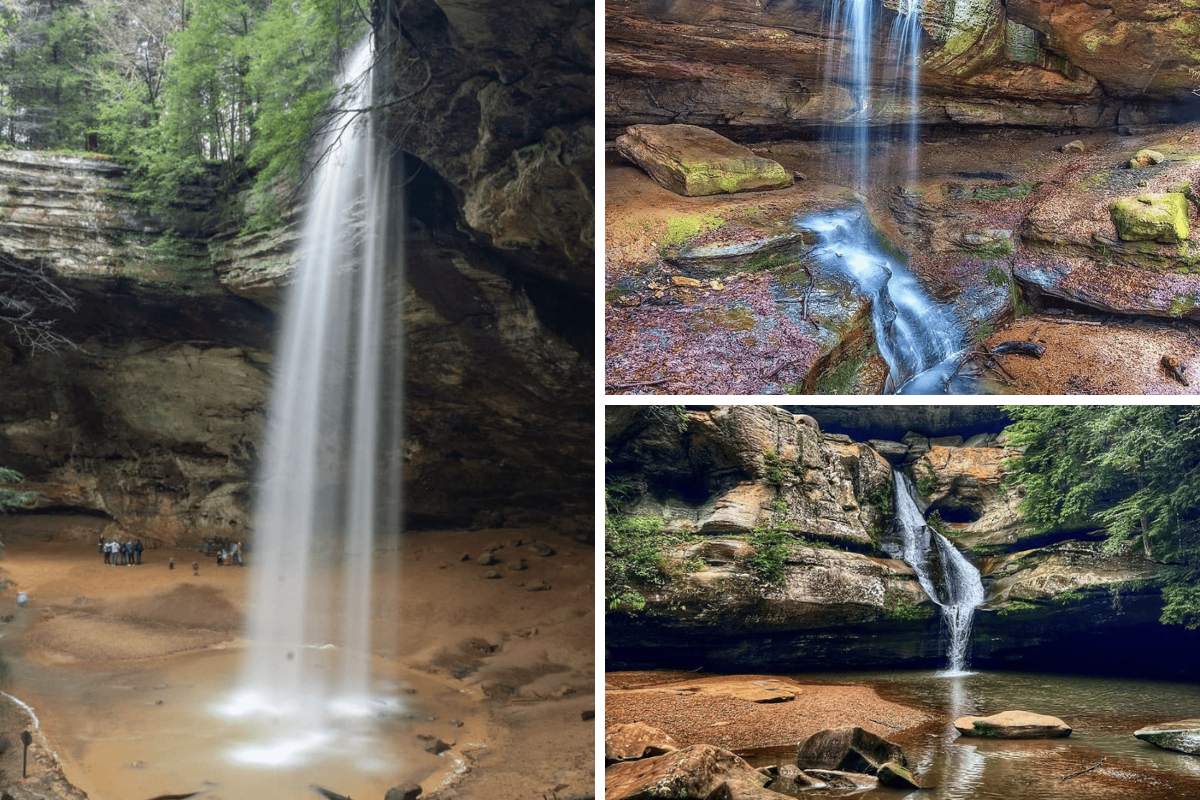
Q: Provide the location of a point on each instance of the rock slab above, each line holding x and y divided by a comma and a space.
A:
636, 740
689, 772
1182, 736
1013, 725
694, 161
1151, 217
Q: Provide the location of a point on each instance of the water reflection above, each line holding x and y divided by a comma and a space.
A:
1103, 712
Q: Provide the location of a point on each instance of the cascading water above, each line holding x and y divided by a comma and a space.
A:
944, 573
922, 341
323, 492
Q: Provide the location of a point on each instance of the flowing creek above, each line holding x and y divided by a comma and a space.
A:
1104, 713
923, 342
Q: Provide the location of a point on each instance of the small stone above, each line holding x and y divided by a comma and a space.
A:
540, 549
691, 283
486, 560
1076, 146
515, 542
465, 557
492, 575
589, 714
540, 586
437, 747
455, 723
158, 702
518, 565
494, 546
799, 176
409, 791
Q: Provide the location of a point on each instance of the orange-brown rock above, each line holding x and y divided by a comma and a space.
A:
635, 740
690, 772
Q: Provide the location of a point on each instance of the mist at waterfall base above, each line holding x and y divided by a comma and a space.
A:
943, 572
329, 477
923, 342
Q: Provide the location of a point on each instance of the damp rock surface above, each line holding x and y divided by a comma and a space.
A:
693, 161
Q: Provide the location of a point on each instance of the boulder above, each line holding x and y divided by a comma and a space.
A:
792, 779
1076, 146
1151, 217
896, 776
946, 441
1183, 736
1146, 158
636, 740
847, 749
408, 792
690, 772
894, 452
1013, 725
694, 161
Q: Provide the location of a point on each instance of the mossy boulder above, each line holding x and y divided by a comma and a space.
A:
1183, 736
1151, 217
1146, 158
694, 161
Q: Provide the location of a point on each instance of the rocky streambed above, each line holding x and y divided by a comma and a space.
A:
1016, 230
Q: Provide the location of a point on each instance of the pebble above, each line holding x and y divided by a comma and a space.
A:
455, 723
518, 565
486, 560
437, 747
492, 575
540, 549
540, 586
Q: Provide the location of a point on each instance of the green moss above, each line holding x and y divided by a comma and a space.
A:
761, 262
684, 229
927, 482
1151, 217
1013, 191
842, 379
997, 277
896, 606
1182, 303
616, 293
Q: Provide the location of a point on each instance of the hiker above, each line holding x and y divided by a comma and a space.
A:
195, 569
138, 549
103, 551
221, 557
170, 563
236, 551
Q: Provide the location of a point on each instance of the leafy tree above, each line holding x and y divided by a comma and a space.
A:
1133, 471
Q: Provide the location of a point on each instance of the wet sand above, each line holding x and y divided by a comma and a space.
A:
123, 666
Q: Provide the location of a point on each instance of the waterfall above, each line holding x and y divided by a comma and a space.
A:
944, 573
322, 490
850, 67
922, 341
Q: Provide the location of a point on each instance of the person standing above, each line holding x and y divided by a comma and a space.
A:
103, 551
138, 548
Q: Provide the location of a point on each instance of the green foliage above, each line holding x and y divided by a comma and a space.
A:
772, 467
771, 547
634, 559
1016, 607
896, 606
927, 481
935, 521
1133, 471
10, 498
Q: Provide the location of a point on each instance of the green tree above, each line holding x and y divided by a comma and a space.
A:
1133, 471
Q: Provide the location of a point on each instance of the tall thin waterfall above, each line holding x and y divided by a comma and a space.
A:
325, 486
851, 67
944, 573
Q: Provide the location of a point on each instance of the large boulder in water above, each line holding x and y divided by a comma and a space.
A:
694, 161
636, 740
1151, 217
847, 749
1013, 725
896, 776
690, 772
1183, 736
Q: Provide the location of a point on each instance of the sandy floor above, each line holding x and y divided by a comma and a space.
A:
672, 703
123, 665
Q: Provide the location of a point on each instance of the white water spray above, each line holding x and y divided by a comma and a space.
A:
944, 573
322, 492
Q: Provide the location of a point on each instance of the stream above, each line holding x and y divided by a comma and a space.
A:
1104, 713
923, 342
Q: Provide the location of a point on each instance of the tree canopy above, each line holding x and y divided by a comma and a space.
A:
173, 87
1132, 471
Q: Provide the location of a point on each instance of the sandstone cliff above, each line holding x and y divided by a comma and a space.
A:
728, 474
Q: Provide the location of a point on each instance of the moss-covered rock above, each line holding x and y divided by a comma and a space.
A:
1151, 217
694, 161
1146, 158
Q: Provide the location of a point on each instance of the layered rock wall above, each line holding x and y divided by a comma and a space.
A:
1053, 599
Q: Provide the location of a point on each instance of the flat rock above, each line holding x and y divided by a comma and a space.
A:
1183, 736
740, 790
1013, 725
840, 779
847, 749
636, 740
894, 452
694, 161
1146, 158
689, 772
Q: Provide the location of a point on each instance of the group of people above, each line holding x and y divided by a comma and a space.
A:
230, 554
121, 553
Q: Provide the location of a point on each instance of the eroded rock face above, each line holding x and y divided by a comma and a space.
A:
738, 64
